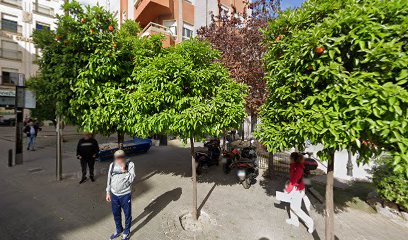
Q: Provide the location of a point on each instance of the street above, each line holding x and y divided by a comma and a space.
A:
35, 206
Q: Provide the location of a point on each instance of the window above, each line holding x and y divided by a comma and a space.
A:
171, 25
187, 31
41, 26
16, 3
9, 23
43, 9
10, 50
9, 76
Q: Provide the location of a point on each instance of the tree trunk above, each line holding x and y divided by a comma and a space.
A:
194, 178
121, 139
349, 164
163, 140
223, 140
329, 220
243, 131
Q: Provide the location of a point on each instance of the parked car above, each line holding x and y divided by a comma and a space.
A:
8, 122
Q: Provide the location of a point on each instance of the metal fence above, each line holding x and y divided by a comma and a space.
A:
280, 162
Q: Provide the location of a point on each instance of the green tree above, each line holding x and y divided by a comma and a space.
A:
45, 107
337, 74
85, 66
100, 103
184, 91
67, 49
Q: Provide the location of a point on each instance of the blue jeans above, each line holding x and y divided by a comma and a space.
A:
31, 142
118, 203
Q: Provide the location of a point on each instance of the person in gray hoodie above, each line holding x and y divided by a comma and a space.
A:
119, 192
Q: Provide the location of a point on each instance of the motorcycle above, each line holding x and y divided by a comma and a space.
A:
244, 160
310, 165
208, 158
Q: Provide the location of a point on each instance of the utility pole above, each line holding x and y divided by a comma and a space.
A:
19, 110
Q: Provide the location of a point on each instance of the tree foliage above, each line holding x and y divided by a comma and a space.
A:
100, 102
45, 105
86, 65
391, 186
67, 50
337, 74
185, 92
237, 36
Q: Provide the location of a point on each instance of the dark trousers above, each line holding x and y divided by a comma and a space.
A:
118, 203
91, 163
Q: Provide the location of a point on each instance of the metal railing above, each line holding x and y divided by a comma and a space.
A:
11, 54
11, 26
17, 3
42, 9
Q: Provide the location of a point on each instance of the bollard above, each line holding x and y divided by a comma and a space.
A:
10, 157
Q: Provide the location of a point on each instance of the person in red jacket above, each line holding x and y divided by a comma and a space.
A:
296, 188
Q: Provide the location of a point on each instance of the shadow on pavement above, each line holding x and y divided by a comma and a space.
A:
155, 207
206, 198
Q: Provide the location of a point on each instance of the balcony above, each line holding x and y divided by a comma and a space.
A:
14, 3
11, 26
11, 54
44, 10
148, 10
154, 28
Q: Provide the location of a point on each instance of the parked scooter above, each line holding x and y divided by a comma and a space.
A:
208, 158
310, 165
244, 160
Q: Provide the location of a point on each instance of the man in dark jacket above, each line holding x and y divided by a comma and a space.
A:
31, 130
87, 150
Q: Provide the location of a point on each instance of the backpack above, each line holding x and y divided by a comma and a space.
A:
113, 166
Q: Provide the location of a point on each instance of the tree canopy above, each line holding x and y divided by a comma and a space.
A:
67, 49
239, 39
185, 92
337, 75
86, 64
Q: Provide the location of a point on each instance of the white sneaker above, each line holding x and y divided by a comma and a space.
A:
291, 222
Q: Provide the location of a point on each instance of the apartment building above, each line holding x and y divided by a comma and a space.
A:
177, 20
19, 18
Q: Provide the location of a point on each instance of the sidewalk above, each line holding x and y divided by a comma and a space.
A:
35, 206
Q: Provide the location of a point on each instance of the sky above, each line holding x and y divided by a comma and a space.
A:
291, 3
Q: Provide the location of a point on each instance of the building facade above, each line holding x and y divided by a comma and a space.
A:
177, 20
19, 18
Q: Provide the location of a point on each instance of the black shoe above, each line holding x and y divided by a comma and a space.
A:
92, 179
82, 180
